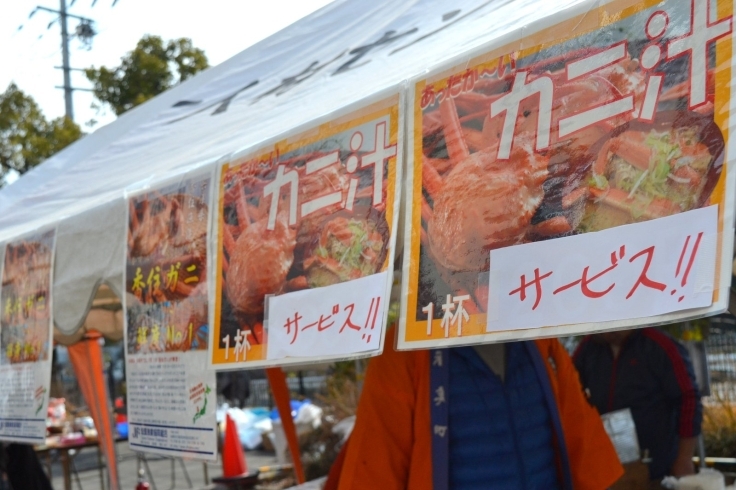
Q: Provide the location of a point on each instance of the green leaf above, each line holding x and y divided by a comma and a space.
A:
151, 68
27, 138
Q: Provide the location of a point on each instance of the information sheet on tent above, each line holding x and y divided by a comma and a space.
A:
171, 394
572, 177
26, 333
306, 238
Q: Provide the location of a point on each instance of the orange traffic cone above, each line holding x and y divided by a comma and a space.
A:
235, 471
233, 457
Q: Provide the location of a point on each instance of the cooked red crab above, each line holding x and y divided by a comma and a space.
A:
326, 181
259, 264
154, 227
627, 78
26, 276
27, 262
187, 226
486, 203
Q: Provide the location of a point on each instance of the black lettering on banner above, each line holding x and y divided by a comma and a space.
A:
222, 104
290, 82
445, 18
387, 38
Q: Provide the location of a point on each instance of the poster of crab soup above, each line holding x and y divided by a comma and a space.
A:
573, 177
306, 227
26, 337
171, 394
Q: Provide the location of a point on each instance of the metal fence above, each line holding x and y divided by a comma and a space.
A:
720, 348
310, 386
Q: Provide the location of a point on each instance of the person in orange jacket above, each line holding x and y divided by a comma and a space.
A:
457, 418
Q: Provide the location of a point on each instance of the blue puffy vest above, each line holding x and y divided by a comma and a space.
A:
501, 434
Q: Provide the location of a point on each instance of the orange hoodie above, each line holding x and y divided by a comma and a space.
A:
390, 447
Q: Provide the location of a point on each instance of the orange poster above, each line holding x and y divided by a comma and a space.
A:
315, 209
608, 115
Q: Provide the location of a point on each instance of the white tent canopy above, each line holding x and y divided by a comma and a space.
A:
338, 55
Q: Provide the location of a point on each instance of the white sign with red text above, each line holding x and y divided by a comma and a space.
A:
344, 318
637, 270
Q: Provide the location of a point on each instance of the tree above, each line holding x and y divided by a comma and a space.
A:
145, 72
27, 138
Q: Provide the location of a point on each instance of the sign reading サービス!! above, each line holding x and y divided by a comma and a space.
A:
573, 177
306, 227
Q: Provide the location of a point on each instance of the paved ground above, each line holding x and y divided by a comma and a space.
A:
167, 474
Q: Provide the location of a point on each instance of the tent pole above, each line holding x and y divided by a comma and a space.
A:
86, 358
114, 481
280, 390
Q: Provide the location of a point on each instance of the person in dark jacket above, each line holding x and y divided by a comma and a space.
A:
22, 467
234, 386
650, 373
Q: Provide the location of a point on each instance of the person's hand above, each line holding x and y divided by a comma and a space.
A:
683, 466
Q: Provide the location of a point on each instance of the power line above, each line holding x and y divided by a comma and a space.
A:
84, 32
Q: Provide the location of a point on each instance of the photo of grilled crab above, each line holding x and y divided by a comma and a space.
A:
26, 309
168, 231
164, 225
259, 264
485, 203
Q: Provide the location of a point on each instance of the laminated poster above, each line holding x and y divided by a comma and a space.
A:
26, 336
306, 228
171, 394
572, 177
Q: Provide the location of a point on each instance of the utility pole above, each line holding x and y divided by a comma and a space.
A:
84, 32
65, 61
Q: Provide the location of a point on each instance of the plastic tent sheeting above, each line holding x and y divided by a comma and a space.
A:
105, 317
90, 250
342, 53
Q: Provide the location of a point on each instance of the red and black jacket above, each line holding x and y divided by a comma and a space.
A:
653, 376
